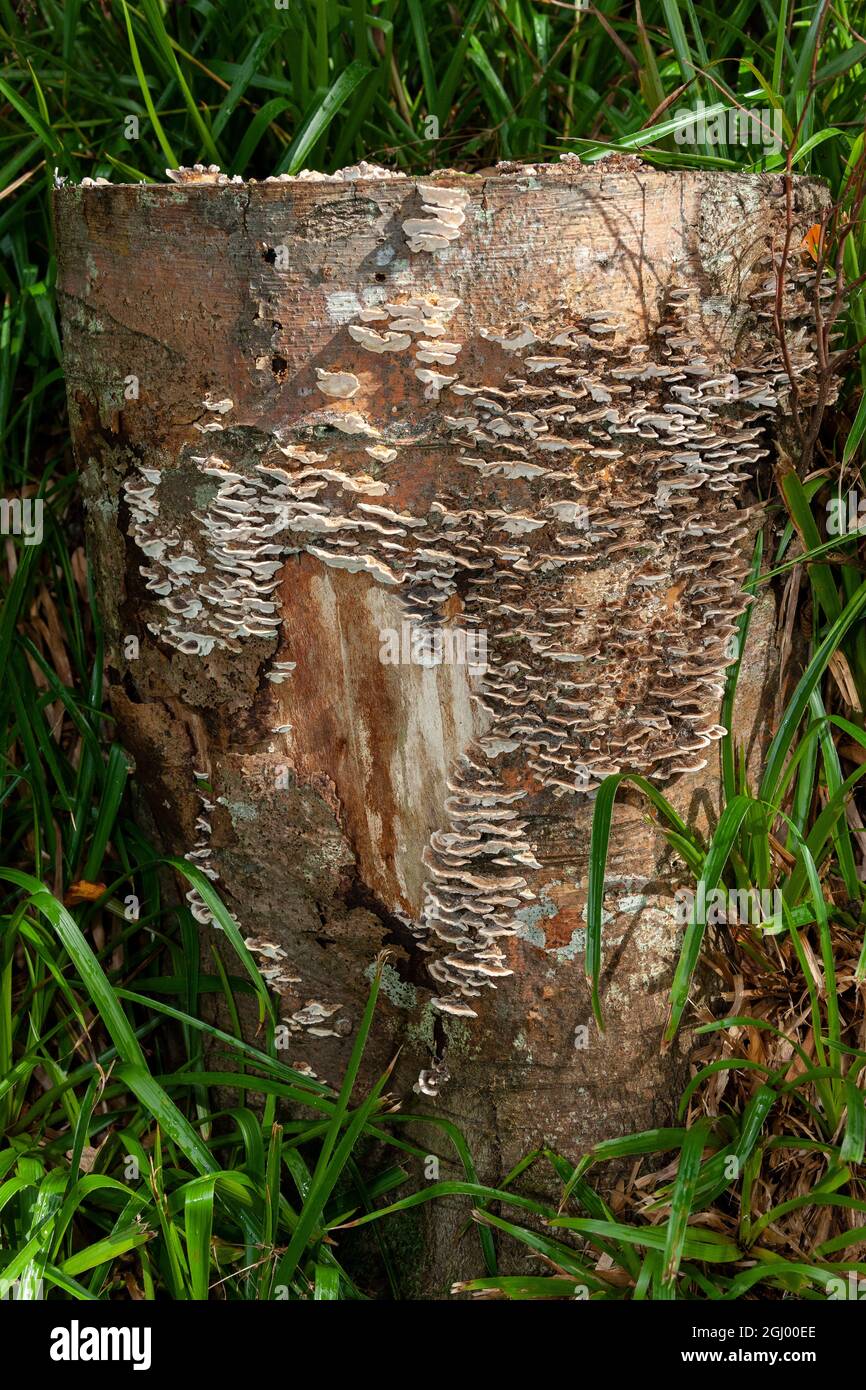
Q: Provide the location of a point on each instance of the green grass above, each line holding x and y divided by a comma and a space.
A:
123, 1170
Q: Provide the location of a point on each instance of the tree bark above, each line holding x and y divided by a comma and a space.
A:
316, 417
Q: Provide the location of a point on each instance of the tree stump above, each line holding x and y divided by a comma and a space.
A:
417, 507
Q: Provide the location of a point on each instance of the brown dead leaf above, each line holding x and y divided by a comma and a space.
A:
83, 892
811, 242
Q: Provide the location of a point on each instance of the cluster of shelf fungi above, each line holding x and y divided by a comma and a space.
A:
588, 518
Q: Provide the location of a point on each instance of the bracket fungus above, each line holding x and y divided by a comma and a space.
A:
532, 406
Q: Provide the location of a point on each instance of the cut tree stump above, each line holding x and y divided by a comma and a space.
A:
416, 507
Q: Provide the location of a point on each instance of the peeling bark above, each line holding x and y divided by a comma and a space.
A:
522, 416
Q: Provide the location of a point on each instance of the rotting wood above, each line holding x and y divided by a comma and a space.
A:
523, 413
